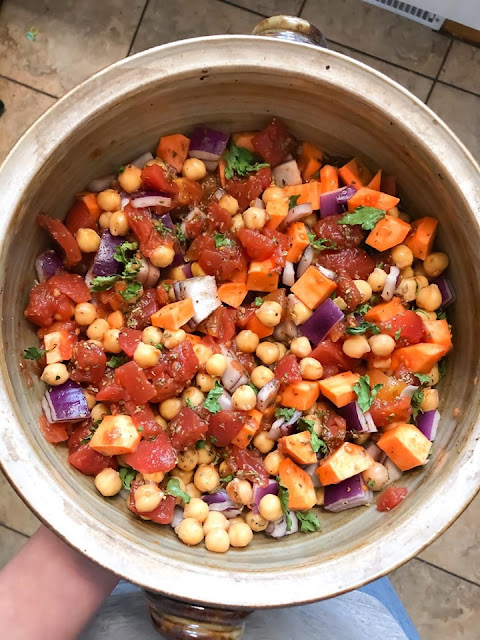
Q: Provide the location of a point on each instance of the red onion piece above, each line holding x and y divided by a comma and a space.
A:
352, 492
148, 274
286, 330
427, 423
207, 144
151, 201
203, 293
66, 403
282, 427
225, 401
447, 291
211, 165
100, 184
177, 517
408, 391
260, 492
300, 212
124, 200
219, 193
257, 203
390, 284
104, 263
219, 496
333, 202
311, 470
305, 261
394, 473
328, 273
234, 375
374, 451
287, 174
322, 320
278, 528
288, 276
47, 265
267, 394
142, 160
356, 419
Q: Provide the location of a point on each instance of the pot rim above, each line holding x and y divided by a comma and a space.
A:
197, 582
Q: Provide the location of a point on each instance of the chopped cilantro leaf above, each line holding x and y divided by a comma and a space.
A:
131, 290
181, 237
102, 283
285, 412
240, 161
367, 217
365, 395
258, 301
284, 495
363, 308
201, 444
423, 378
397, 334
308, 521
34, 353
321, 244
127, 474
441, 315
317, 443
292, 201
116, 361
167, 287
189, 403
120, 254
213, 439
221, 240
227, 478
252, 386
173, 489
362, 328
211, 403
162, 228
417, 400
93, 428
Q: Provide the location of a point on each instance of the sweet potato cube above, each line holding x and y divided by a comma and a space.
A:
406, 446
313, 288
115, 435
345, 462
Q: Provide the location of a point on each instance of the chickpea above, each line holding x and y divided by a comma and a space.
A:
300, 347
240, 491
300, 313
187, 460
408, 272
88, 240
119, 225
376, 476
381, 345
377, 280
192, 491
402, 256
147, 497
340, 302
215, 520
207, 454
162, 422
282, 349
194, 169
197, 270
255, 218
364, 289
169, 408
172, 339
393, 212
247, 341
269, 313
429, 298
85, 313
130, 179
155, 477
109, 200
273, 193
91, 399
236, 520
190, 531
206, 478
256, 522
229, 203
430, 400
217, 540
55, 374
110, 341
261, 376
203, 353
205, 382
152, 335
104, 220
268, 352
382, 364
97, 343
311, 369
356, 346
320, 496
407, 289
185, 477
217, 364
99, 411
244, 398
263, 443
240, 535
311, 220
421, 281
270, 507
194, 395
435, 264
108, 482
224, 469
197, 509
162, 256
435, 376
237, 223
146, 355
272, 462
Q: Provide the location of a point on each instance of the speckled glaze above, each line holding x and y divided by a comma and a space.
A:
239, 82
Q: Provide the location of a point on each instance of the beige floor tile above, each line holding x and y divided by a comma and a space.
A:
271, 7
205, 17
380, 33
22, 107
10, 544
462, 67
75, 39
418, 85
458, 549
461, 111
440, 605
13, 512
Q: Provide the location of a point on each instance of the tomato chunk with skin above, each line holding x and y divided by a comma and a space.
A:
139, 316
111, 393
224, 426
89, 461
143, 418
153, 455
175, 368
221, 324
157, 178
186, 428
408, 326
44, 307
257, 246
288, 370
53, 432
163, 514
129, 339
274, 143
135, 382
244, 190
70, 284
384, 412
347, 290
389, 498
345, 236
331, 355
355, 262
63, 237
248, 464
89, 362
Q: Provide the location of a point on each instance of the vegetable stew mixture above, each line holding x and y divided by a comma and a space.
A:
236, 331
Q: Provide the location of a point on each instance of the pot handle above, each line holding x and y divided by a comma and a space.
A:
176, 620
290, 28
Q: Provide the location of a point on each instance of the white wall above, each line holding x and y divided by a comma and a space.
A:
464, 11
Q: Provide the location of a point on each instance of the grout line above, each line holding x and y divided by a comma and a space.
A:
453, 86
145, 7
450, 573
27, 86
302, 8
238, 6
439, 71
20, 533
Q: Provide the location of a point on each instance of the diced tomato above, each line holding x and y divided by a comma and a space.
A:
143, 418
135, 382
257, 246
409, 325
81, 430
65, 239
243, 315
153, 455
186, 428
391, 497
111, 393
129, 339
157, 178
139, 315
334, 427
288, 370
162, 296
355, 262
222, 262
72, 285
190, 192
225, 425
218, 218
347, 290
281, 243
175, 368
80, 216
274, 143
53, 431
43, 307
244, 190
195, 226
141, 223
384, 412
221, 324
250, 463
345, 236
89, 362
89, 461
330, 354
163, 514
63, 326
247, 360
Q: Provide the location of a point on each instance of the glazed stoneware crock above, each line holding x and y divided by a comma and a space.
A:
238, 83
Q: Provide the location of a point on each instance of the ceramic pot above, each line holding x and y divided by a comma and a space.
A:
238, 83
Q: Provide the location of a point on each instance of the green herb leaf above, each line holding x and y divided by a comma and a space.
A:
173, 489
363, 308
159, 346
365, 395
131, 290
213, 439
292, 201
221, 240
162, 229
102, 283
425, 313
120, 169
317, 443
211, 403
367, 217
34, 353
258, 301
166, 286
120, 253
308, 521
93, 428
284, 496
189, 403
181, 237
285, 412
201, 444
321, 244
240, 161
417, 400
127, 475
423, 378
227, 478
397, 334
441, 314
252, 386
117, 361
362, 328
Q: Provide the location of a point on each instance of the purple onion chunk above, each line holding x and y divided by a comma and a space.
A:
207, 144
357, 420
220, 496
321, 321
65, 403
104, 263
47, 265
333, 202
352, 492
446, 289
278, 528
427, 423
260, 492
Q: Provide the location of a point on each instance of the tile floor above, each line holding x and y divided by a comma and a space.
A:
440, 588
